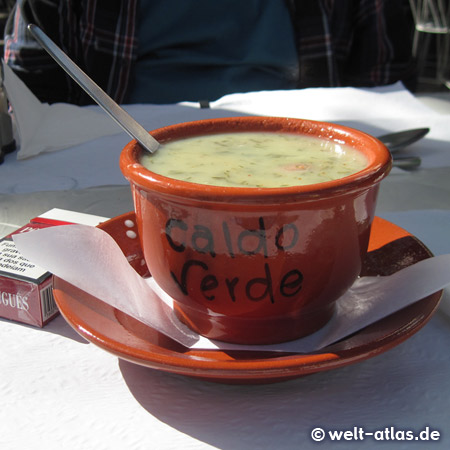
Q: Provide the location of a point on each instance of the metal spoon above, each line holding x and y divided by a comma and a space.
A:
407, 162
133, 128
401, 139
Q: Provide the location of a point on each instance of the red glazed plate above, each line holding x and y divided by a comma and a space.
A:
391, 249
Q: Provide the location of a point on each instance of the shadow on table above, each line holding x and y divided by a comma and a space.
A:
389, 390
60, 327
56, 326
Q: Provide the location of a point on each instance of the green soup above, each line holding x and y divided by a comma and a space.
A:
255, 159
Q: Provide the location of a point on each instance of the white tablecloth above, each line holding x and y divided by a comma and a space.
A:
95, 163
57, 391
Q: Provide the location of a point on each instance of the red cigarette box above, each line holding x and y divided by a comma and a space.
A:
26, 289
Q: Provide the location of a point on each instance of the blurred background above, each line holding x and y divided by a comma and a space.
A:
431, 43
430, 31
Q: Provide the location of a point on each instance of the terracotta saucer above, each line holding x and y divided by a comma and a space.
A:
391, 248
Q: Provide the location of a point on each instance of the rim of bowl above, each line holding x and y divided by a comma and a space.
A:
379, 160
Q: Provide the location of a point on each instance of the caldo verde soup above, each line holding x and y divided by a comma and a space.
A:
255, 159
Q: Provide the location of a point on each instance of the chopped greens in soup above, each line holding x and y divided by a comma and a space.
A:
255, 159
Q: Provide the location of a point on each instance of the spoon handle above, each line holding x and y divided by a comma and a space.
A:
407, 162
133, 128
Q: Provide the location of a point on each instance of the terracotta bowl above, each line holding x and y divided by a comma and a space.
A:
256, 265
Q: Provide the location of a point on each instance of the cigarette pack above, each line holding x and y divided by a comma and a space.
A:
26, 289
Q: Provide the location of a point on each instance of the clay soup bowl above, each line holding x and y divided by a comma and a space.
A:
256, 265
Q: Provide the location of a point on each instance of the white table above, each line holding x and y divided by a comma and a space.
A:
57, 391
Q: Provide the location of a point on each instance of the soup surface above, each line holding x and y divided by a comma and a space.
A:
255, 159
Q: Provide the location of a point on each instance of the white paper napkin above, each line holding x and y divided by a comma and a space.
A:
89, 258
45, 128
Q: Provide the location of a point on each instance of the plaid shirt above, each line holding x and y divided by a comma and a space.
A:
339, 43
